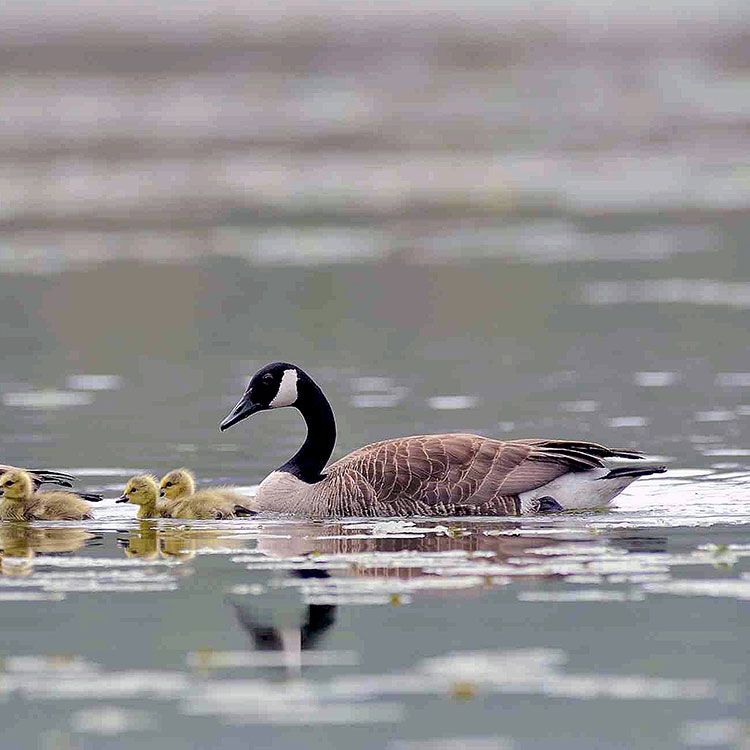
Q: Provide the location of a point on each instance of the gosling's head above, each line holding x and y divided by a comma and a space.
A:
140, 490
16, 485
177, 483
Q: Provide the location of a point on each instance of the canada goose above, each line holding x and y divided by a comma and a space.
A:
42, 476
21, 502
427, 475
213, 502
143, 490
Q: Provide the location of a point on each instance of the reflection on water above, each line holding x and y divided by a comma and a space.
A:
20, 541
307, 657
427, 628
515, 230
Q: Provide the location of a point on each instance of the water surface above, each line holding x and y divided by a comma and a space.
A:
512, 234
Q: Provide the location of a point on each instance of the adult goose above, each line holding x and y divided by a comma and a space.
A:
452, 474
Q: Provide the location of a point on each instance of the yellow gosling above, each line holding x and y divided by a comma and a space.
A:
212, 503
144, 492
177, 545
144, 542
21, 502
42, 476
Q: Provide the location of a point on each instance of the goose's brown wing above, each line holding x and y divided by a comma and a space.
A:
457, 473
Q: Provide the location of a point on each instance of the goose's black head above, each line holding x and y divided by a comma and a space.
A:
272, 387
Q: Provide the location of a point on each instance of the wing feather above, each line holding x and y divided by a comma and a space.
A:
460, 470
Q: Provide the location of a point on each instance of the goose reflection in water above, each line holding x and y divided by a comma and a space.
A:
459, 561
318, 618
428, 538
286, 630
20, 541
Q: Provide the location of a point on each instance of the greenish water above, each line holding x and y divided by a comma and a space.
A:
529, 228
621, 628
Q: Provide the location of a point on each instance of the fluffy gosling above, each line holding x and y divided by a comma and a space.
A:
144, 492
21, 502
43, 476
212, 503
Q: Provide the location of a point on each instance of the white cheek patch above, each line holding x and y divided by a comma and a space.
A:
287, 394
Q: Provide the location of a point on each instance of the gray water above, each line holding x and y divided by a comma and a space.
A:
510, 233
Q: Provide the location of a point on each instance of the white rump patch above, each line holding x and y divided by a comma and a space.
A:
287, 394
577, 490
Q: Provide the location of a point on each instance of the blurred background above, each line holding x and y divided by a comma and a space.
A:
539, 209
521, 219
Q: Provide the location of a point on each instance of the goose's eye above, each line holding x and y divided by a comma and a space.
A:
268, 378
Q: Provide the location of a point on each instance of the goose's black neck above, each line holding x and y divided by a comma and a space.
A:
308, 462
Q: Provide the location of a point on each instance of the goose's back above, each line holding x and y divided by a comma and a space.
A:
449, 474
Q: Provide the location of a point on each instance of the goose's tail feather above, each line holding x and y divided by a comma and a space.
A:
53, 477
92, 497
590, 449
634, 471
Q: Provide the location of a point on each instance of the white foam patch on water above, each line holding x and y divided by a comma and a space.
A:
452, 402
689, 473
304, 715
717, 415
110, 721
29, 596
721, 588
733, 379
712, 732
264, 659
151, 683
584, 595
97, 562
49, 399
376, 400
702, 292
68, 663
579, 407
100, 471
656, 379
455, 743
368, 384
537, 671
304, 563
95, 587
94, 382
628, 422
254, 589
726, 452
93, 582
377, 590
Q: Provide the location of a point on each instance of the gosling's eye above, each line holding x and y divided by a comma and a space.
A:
168, 484
9, 483
133, 490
